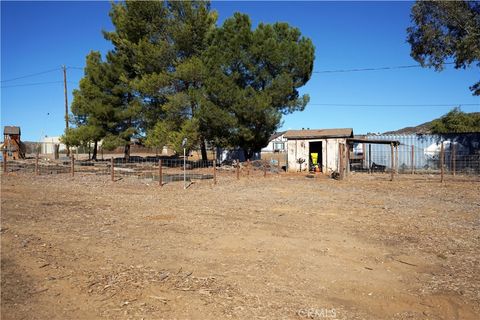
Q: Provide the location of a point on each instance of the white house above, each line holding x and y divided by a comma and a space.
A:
48, 145
277, 143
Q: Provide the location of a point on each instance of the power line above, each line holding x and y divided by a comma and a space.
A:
318, 72
374, 69
31, 75
38, 73
321, 71
34, 84
349, 70
393, 105
30, 84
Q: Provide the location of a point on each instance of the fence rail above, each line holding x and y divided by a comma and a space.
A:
166, 170
154, 168
410, 159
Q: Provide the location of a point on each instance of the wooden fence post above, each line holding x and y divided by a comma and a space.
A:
442, 156
238, 169
36, 164
326, 156
72, 169
264, 169
248, 167
370, 158
4, 161
347, 159
413, 159
160, 176
454, 160
396, 159
364, 155
392, 162
113, 169
340, 161
214, 172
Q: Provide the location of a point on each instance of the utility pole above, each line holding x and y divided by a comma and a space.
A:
66, 103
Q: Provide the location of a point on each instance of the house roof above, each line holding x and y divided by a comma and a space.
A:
319, 133
11, 130
276, 135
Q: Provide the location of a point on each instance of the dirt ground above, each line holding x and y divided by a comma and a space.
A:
281, 247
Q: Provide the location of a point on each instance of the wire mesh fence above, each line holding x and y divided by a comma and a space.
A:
444, 159
162, 170
410, 159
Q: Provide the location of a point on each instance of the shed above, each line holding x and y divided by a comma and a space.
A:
316, 149
13, 147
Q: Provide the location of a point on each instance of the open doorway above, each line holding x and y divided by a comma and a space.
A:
315, 156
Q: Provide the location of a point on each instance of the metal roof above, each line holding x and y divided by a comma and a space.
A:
378, 141
11, 130
319, 133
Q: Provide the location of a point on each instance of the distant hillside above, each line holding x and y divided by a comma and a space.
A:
421, 128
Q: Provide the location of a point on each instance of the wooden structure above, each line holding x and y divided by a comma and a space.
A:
13, 148
352, 160
319, 149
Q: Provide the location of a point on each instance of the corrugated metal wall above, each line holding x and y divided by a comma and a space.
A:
426, 149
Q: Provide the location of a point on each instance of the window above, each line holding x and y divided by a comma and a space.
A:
278, 146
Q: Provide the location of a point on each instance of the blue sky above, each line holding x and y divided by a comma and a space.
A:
40, 36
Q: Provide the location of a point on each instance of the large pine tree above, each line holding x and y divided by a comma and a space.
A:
255, 75
172, 74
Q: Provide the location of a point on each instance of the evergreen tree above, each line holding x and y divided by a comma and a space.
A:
141, 51
254, 78
172, 74
93, 106
190, 23
456, 121
446, 29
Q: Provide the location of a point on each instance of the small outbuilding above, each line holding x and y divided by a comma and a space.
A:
317, 150
12, 147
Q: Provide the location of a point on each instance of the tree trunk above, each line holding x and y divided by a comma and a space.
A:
127, 152
248, 153
203, 148
95, 147
56, 150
